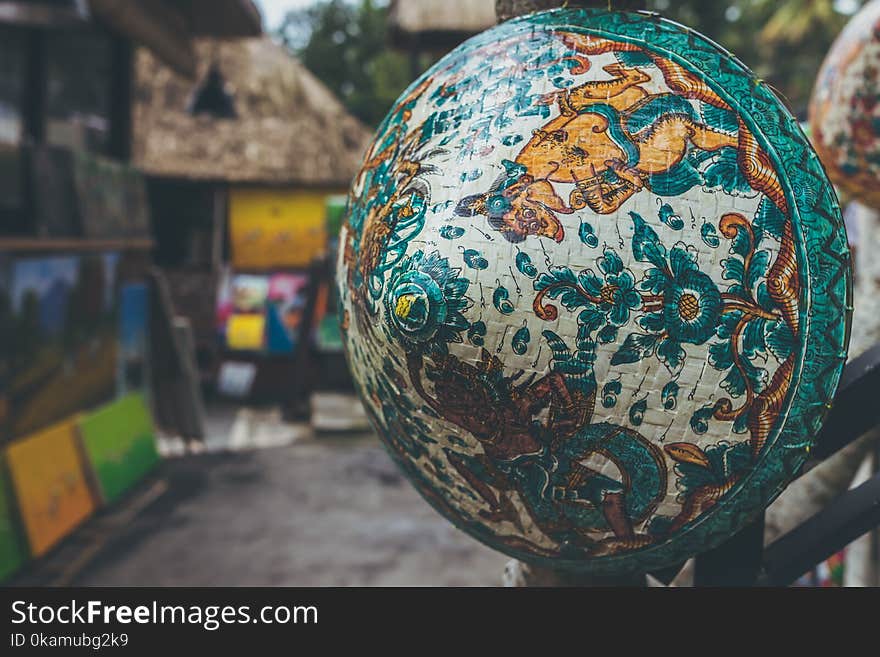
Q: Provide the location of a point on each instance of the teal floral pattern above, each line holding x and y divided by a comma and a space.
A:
594, 288
425, 303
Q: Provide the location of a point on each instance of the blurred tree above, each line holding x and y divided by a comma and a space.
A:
344, 44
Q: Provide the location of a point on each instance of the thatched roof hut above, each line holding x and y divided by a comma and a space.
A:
275, 123
435, 23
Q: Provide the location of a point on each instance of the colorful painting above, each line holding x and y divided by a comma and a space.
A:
845, 109
249, 293
241, 307
286, 303
275, 228
246, 332
120, 445
594, 290
63, 337
50, 485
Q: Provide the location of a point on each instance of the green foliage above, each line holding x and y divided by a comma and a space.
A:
345, 44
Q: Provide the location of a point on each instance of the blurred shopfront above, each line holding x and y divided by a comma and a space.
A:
75, 250
247, 168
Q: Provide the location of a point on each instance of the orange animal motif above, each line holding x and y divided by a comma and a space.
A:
595, 145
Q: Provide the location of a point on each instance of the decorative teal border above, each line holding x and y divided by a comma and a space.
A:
825, 276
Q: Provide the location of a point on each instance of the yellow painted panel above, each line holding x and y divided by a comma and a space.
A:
271, 228
50, 484
245, 332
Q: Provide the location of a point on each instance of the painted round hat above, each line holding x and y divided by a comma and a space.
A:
845, 108
594, 287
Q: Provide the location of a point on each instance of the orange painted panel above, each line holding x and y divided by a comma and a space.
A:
50, 484
276, 228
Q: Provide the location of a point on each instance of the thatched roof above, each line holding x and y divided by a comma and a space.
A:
289, 128
419, 21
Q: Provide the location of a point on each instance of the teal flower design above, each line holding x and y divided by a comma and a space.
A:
615, 291
691, 306
425, 303
681, 303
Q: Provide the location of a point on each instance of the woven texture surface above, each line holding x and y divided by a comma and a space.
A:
594, 290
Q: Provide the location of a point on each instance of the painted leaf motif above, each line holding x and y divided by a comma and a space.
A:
721, 355
769, 220
476, 333
501, 300
654, 280
728, 323
587, 235
609, 393
561, 283
608, 334
591, 319
646, 245
667, 216
753, 338
725, 173
733, 269
474, 260
636, 347
521, 339
671, 354
757, 267
525, 266
737, 381
637, 412
779, 339
451, 232
563, 360
741, 244
700, 419
709, 235
669, 395
762, 296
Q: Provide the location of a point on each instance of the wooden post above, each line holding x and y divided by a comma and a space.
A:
516, 573
122, 70
35, 86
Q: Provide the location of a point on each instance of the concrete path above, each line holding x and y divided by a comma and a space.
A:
318, 512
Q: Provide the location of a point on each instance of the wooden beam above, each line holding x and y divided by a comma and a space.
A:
153, 25
73, 245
